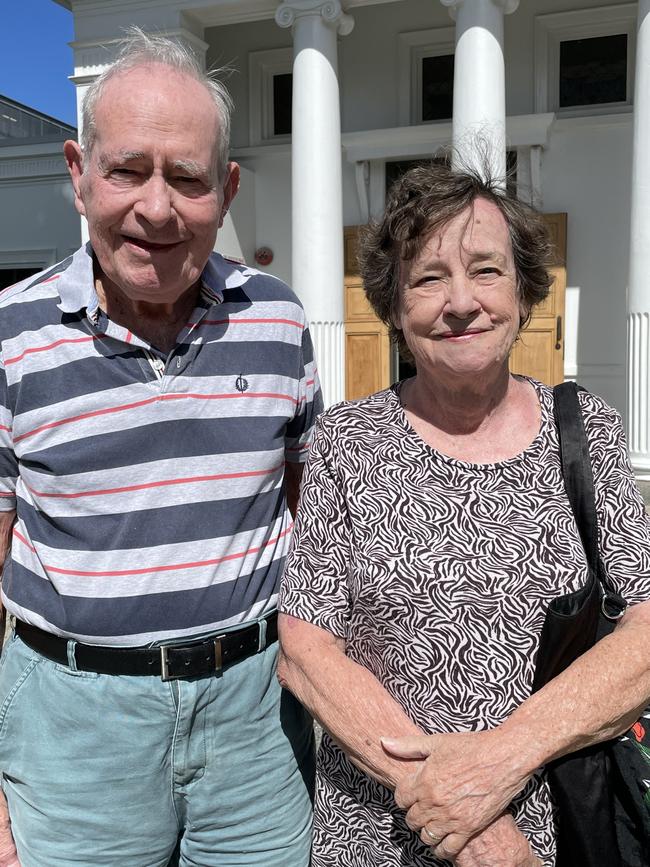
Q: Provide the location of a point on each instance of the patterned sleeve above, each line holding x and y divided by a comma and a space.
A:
624, 528
8, 463
315, 584
310, 404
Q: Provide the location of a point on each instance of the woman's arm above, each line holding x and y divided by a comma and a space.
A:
348, 701
354, 708
467, 779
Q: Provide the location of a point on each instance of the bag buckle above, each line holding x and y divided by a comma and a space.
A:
612, 606
166, 674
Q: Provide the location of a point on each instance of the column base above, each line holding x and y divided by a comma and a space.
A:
329, 347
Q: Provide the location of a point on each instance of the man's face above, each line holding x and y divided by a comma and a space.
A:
149, 187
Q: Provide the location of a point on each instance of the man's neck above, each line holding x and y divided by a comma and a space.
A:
158, 324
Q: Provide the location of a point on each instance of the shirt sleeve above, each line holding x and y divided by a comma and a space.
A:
8, 462
310, 404
623, 525
315, 585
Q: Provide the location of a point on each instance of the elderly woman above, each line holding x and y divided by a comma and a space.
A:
433, 531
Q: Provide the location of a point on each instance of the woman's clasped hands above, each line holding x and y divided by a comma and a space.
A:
463, 782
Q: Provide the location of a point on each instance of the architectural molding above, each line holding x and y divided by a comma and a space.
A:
508, 6
28, 258
91, 57
331, 11
19, 165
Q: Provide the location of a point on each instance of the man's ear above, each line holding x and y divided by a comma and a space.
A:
230, 188
74, 158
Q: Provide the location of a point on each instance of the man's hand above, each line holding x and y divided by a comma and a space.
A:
465, 782
501, 844
8, 854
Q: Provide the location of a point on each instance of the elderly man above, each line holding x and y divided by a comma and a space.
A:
156, 402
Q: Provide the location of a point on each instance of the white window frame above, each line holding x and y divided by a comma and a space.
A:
551, 30
262, 67
413, 48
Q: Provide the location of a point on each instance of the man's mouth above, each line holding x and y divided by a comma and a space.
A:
150, 246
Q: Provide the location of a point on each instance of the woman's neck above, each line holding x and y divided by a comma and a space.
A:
482, 421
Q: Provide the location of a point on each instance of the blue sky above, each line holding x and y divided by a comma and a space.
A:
35, 58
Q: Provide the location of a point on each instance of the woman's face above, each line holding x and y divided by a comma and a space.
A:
459, 307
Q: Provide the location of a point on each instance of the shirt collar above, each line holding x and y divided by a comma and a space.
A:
76, 285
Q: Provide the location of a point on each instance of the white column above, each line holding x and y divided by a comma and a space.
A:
479, 123
638, 338
316, 196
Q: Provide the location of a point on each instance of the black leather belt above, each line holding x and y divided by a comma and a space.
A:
169, 661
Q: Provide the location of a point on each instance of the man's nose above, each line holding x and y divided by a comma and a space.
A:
154, 203
462, 301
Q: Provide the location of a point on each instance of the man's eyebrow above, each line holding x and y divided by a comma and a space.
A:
191, 167
116, 157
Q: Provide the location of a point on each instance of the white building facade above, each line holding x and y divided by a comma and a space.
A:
333, 99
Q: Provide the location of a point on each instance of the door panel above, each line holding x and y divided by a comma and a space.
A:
539, 352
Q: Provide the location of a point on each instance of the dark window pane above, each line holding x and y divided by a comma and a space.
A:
511, 172
437, 87
593, 71
9, 276
282, 91
396, 168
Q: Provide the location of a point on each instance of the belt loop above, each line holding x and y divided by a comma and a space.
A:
262, 634
72, 659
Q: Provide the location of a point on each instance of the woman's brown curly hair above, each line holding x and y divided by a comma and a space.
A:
424, 200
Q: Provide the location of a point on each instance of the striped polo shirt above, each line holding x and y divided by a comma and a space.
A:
149, 488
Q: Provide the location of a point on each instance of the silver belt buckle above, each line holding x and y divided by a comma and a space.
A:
165, 676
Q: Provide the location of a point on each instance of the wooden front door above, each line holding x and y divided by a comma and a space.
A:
539, 352
367, 347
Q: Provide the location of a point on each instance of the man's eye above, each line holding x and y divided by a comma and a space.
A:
182, 179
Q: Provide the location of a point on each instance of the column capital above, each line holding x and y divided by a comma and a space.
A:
508, 6
331, 11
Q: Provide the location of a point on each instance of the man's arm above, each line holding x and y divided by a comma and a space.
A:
354, 708
6, 524
467, 779
8, 856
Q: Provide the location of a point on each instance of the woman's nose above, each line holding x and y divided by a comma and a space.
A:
462, 301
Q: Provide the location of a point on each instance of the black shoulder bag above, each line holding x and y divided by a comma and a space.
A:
603, 792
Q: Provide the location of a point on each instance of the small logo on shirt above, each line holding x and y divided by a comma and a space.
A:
241, 383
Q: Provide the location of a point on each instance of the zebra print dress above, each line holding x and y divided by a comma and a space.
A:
437, 574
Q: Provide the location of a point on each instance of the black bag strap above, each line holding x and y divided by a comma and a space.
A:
576, 467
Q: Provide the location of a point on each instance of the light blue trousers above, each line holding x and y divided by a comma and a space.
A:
115, 771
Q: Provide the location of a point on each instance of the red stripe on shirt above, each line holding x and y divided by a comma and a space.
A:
161, 397
162, 483
49, 346
49, 279
250, 322
193, 564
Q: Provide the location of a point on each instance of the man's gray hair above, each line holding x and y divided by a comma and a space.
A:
139, 49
